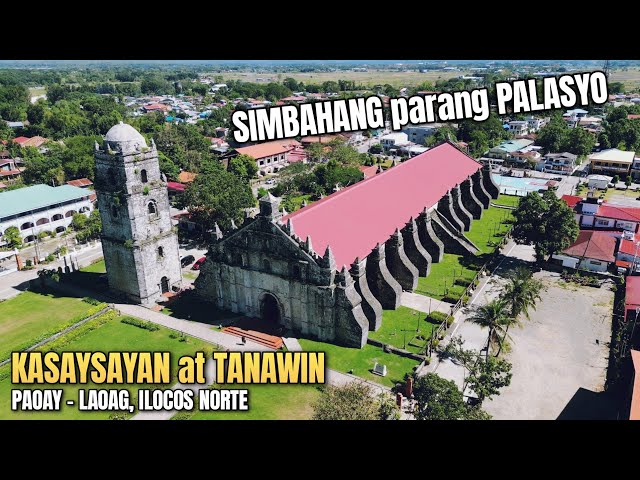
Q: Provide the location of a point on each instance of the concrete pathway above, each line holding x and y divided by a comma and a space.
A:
423, 303
15, 283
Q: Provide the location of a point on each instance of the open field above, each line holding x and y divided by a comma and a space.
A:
106, 333
560, 356
629, 76
29, 317
269, 402
508, 200
370, 78
362, 360
489, 229
442, 276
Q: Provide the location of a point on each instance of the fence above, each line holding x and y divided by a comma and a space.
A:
438, 332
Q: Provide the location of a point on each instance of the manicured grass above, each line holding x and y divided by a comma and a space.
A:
106, 333
614, 192
400, 325
96, 267
190, 275
362, 361
442, 276
25, 319
489, 229
508, 200
269, 402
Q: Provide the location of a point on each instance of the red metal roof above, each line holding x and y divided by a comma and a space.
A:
80, 182
629, 214
634, 414
175, 186
627, 246
368, 171
632, 291
571, 200
262, 150
21, 140
593, 244
354, 219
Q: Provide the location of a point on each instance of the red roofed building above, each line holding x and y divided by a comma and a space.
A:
571, 200
327, 270
632, 296
270, 156
156, 107
634, 410
368, 172
593, 250
36, 141
80, 182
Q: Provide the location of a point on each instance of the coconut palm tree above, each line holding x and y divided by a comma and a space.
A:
495, 316
521, 292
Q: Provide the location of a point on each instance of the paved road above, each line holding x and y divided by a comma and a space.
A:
425, 304
15, 283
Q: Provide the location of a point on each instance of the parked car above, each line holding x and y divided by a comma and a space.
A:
271, 181
188, 260
198, 264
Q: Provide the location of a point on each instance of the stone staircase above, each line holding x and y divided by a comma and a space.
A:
265, 339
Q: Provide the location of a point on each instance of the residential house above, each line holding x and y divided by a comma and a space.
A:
590, 213
535, 123
35, 142
612, 162
368, 172
635, 169
394, 140
42, 208
9, 170
562, 163
505, 150
593, 250
15, 125
270, 156
598, 181
627, 255
519, 127
186, 177
80, 183
419, 133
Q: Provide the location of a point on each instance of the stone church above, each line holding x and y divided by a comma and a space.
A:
328, 270
139, 245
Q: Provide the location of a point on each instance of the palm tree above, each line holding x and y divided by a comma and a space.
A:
522, 292
495, 316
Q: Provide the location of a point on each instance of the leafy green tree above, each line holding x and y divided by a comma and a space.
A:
546, 222
627, 181
217, 195
353, 401
486, 378
438, 399
579, 142
315, 151
79, 221
482, 135
244, 167
495, 317
12, 237
291, 84
616, 87
168, 167
553, 136
41, 168
35, 112
441, 135
262, 192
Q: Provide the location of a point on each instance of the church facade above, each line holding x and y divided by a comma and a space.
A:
328, 270
139, 245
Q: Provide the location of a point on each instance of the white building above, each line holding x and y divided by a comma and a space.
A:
599, 181
519, 127
42, 208
394, 140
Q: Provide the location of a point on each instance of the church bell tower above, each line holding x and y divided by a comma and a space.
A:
139, 245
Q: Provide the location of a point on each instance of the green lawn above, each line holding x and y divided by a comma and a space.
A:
489, 229
106, 333
96, 267
190, 275
508, 200
400, 325
268, 402
362, 361
30, 317
442, 276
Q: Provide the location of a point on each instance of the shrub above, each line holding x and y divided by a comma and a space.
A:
91, 301
437, 317
50, 258
451, 297
462, 282
449, 321
28, 263
465, 299
145, 190
436, 342
140, 324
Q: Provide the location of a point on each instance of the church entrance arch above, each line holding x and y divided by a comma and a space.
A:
270, 309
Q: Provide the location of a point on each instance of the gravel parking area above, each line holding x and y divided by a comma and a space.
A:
560, 356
